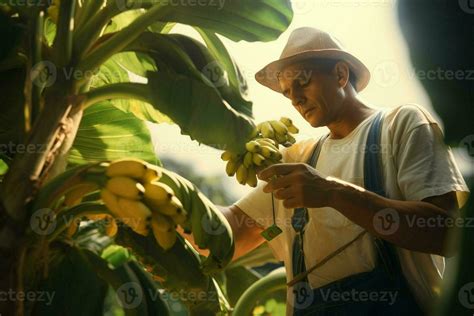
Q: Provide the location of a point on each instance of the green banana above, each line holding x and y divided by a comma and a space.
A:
266, 129
241, 174
279, 127
247, 159
231, 167
252, 177
227, 155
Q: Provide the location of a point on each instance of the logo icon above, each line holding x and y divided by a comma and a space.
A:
303, 295
43, 221
212, 225
467, 143
387, 73
302, 6
467, 6
386, 221
216, 74
44, 74
466, 295
129, 295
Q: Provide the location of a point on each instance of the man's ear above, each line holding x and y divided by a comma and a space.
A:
341, 70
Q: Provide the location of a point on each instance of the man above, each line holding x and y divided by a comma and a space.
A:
335, 266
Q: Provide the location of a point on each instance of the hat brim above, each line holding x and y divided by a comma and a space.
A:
267, 76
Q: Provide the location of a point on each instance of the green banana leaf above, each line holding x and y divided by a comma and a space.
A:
71, 288
200, 111
247, 20
238, 84
106, 133
115, 71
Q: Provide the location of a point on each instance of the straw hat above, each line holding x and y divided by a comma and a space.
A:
307, 43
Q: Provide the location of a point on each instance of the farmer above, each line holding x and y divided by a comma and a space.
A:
364, 210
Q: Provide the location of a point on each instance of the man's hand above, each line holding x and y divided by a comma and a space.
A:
298, 185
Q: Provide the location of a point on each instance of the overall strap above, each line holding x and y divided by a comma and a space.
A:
373, 181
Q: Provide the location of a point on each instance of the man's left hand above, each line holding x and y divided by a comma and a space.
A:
298, 185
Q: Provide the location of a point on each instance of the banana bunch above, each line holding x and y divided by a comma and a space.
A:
136, 197
260, 152
281, 131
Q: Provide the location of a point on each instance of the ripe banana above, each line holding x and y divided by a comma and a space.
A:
125, 187
180, 219
111, 201
157, 194
241, 174
166, 239
174, 207
266, 129
152, 173
279, 127
267, 151
267, 142
132, 168
231, 167
75, 195
252, 146
161, 222
137, 215
248, 159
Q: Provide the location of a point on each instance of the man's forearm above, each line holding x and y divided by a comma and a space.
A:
414, 225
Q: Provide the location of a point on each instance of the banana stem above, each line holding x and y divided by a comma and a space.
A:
62, 45
125, 90
121, 39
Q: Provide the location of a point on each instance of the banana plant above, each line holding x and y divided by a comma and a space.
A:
71, 100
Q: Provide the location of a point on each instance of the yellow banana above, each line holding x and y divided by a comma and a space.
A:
133, 168
111, 228
111, 201
258, 159
152, 173
227, 155
157, 194
174, 207
252, 177
161, 222
231, 167
180, 218
125, 187
74, 196
241, 174
279, 127
267, 151
267, 130
137, 215
247, 159
252, 146
167, 239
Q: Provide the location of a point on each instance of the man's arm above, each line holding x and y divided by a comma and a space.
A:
245, 230
414, 225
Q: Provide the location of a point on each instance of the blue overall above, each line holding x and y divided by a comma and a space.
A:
382, 291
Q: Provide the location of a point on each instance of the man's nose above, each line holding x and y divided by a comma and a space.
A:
297, 98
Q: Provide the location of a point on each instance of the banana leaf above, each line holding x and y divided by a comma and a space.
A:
200, 111
106, 133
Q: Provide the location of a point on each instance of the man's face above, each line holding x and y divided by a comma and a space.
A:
314, 93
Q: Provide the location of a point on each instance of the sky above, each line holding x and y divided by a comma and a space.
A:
366, 28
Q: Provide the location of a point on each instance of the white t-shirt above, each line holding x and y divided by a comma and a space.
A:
416, 164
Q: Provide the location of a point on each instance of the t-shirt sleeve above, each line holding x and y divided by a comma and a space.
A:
426, 166
257, 205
